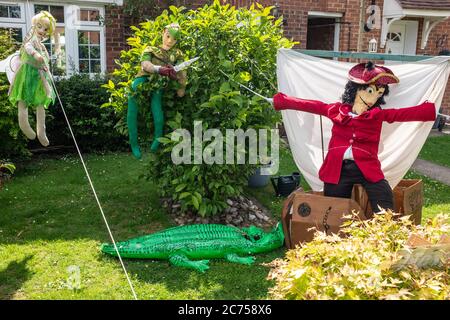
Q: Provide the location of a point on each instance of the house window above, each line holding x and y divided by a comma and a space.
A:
89, 51
56, 11
10, 11
14, 33
323, 31
394, 36
79, 29
89, 15
12, 18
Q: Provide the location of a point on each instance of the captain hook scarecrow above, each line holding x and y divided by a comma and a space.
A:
352, 156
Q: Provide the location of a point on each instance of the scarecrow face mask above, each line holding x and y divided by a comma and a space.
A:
367, 98
170, 35
43, 28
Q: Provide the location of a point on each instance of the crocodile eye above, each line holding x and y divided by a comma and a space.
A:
257, 237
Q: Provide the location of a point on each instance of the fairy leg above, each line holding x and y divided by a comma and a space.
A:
158, 118
132, 115
40, 126
23, 121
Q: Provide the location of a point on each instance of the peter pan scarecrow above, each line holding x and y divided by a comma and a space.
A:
31, 84
157, 67
352, 156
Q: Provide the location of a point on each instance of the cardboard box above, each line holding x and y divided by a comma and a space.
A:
303, 211
408, 199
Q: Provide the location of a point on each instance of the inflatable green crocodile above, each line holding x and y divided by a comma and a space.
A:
200, 241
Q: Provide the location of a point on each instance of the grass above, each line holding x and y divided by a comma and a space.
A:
49, 221
437, 150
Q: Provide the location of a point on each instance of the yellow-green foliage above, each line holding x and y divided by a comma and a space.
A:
360, 266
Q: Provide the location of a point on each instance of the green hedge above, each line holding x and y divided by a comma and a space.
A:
94, 127
12, 142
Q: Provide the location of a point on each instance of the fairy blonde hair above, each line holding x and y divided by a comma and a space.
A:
42, 16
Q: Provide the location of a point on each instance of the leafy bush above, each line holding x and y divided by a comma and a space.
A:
7, 168
362, 265
240, 42
13, 142
93, 126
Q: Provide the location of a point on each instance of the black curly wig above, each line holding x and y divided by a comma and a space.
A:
351, 88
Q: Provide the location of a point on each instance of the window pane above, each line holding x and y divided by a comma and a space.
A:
83, 37
14, 12
94, 37
4, 11
10, 11
89, 51
84, 15
83, 52
15, 33
58, 13
84, 66
89, 15
95, 52
95, 66
94, 15
40, 7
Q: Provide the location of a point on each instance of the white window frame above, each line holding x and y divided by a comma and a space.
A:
22, 18
337, 25
87, 26
101, 12
102, 47
15, 26
71, 27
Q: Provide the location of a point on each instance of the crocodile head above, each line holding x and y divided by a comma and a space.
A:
262, 241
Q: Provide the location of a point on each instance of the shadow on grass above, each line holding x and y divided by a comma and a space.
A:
50, 199
223, 280
13, 277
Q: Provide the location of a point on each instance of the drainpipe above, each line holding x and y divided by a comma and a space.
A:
362, 14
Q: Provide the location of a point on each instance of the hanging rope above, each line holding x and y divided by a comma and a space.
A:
89, 177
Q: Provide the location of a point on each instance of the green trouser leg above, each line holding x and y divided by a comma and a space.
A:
132, 115
158, 118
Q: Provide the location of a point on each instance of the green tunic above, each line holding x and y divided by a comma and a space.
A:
31, 83
160, 57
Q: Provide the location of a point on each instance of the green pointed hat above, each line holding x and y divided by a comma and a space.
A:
174, 30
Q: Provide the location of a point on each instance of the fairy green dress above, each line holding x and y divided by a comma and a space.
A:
31, 83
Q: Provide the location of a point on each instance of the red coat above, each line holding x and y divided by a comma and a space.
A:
362, 133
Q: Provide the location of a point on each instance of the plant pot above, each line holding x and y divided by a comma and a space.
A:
258, 180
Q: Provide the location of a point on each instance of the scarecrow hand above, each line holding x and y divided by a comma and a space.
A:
168, 71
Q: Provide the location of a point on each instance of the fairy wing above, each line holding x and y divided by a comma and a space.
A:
10, 65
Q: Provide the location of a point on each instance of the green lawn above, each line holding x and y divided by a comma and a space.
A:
437, 150
49, 221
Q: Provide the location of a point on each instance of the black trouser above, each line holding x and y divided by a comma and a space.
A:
379, 193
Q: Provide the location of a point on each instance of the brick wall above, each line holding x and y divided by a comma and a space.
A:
114, 35
295, 13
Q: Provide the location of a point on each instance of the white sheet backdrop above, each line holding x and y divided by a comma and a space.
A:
308, 77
